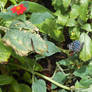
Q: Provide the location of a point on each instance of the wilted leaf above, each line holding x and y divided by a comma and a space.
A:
39, 86
22, 37
86, 52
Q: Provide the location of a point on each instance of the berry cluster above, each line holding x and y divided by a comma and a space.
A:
75, 46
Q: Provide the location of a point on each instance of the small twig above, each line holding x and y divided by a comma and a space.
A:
60, 68
54, 72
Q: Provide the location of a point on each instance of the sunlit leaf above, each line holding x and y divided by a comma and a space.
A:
71, 22
86, 52
4, 53
2, 3
13, 1
49, 27
87, 27
75, 11
66, 3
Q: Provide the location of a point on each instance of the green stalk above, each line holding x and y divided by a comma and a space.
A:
52, 81
42, 76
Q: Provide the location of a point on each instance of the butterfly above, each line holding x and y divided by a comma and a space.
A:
75, 46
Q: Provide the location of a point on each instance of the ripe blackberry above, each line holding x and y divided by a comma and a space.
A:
75, 46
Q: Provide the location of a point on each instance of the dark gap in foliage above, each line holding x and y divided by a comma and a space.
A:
67, 38
47, 4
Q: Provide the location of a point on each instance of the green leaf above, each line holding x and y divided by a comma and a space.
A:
39, 86
10, 16
83, 13
86, 82
66, 3
4, 53
2, 3
90, 69
84, 2
71, 22
66, 62
5, 79
13, 1
37, 18
15, 87
74, 13
22, 37
25, 88
87, 27
87, 89
82, 72
60, 78
86, 52
52, 49
61, 18
84, 9
78, 85
57, 4
0, 90
27, 77
74, 33
62, 90
91, 11
50, 27
34, 7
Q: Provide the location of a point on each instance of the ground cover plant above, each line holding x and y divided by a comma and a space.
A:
45, 45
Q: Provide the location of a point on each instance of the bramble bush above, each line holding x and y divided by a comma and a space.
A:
27, 27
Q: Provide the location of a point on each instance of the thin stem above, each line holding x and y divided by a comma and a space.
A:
52, 81
60, 68
43, 76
